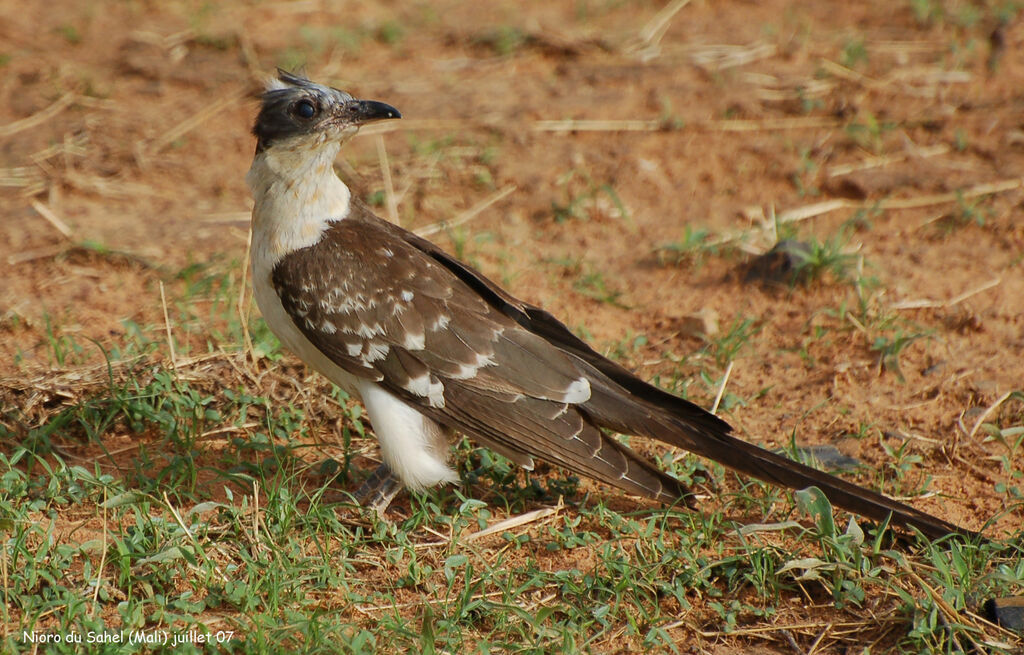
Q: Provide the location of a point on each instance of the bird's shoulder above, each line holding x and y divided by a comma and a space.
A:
364, 266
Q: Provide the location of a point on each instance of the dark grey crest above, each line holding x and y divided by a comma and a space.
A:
280, 114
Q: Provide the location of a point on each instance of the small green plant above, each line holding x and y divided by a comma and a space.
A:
927, 12
695, 245
593, 285
901, 461
960, 139
459, 236
70, 34
855, 52
504, 41
586, 203
64, 349
966, 213
861, 220
868, 132
792, 261
889, 348
390, 32
725, 347
1011, 438
967, 16
320, 40
627, 347
669, 118
803, 178
826, 257
291, 59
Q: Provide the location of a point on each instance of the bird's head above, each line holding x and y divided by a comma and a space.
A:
303, 113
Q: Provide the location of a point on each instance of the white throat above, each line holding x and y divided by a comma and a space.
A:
297, 195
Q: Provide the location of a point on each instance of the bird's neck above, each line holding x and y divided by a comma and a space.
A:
296, 195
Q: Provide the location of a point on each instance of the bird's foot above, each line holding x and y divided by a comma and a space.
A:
379, 490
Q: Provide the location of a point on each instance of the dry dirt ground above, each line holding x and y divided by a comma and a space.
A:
629, 158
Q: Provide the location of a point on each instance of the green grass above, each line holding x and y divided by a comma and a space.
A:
295, 572
585, 199
228, 526
695, 245
502, 41
727, 345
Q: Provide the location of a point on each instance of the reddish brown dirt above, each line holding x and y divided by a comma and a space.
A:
147, 146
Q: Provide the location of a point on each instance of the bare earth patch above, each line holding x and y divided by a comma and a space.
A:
620, 164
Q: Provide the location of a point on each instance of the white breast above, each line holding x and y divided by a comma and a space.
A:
297, 196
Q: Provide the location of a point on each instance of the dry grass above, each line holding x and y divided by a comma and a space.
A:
166, 468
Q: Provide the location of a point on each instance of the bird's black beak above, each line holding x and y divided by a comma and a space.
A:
366, 111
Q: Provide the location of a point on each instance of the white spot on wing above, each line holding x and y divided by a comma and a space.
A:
376, 351
440, 323
336, 302
415, 341
407, 295
370, 331
467, 371
423, 385
577, 392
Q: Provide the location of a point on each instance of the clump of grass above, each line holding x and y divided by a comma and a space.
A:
965, 214
695, 245
726, 346
795, 262
585, 199
593, 284
390, 32
854, 53
890, 346
70, 33
869, 132
826, 258
503, 41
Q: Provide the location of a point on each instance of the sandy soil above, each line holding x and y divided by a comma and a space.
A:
126, 126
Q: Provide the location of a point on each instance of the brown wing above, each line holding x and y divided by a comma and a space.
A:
386, 311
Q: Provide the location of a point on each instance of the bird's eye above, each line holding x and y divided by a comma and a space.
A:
304, 109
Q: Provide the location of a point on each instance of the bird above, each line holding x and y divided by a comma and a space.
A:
433, 348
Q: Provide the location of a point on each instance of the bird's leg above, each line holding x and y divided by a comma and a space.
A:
379, 490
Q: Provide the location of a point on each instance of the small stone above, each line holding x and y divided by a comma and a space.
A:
1007, 612
780, 265
700, 324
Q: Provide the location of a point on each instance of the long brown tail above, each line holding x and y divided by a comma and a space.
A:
649, 411
624, 403
765, 465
